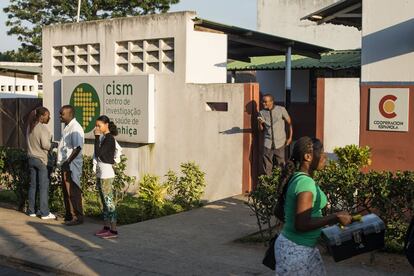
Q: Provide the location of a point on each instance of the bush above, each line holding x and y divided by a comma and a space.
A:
154, 199
14, 174
263, 199
390, 195
153, 195
187, 189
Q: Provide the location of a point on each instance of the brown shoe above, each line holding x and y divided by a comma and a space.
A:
73, 222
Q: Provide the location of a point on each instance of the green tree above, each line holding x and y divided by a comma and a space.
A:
26, 17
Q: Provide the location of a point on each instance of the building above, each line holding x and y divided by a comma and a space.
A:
163, 80
20, 80
385, 90
283, 18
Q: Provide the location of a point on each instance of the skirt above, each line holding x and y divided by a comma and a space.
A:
297, 260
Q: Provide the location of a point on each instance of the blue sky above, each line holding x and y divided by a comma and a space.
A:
234, 12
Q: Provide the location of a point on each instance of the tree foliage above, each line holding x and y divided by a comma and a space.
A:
27, 17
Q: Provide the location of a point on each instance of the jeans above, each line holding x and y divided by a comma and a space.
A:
38, 174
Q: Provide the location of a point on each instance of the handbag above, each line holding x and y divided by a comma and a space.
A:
269, 259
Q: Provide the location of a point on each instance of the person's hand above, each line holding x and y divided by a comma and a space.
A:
344, 218
97, 132
261, 120
288, 141
65, 166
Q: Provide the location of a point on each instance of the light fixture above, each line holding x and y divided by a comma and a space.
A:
317, 17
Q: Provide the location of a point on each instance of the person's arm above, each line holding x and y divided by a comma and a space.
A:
304, 221
77, 143
288, 120
45, 140
261, 121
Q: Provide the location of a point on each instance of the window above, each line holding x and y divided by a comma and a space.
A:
17, 88
24, 88
3, 88
31, 88
217, 106
10, 88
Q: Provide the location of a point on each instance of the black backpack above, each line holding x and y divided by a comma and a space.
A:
409, 243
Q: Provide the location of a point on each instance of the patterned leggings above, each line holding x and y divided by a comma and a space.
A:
297, 260
107, 197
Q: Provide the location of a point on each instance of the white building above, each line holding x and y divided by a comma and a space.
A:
283, 18
20, 80
183, 110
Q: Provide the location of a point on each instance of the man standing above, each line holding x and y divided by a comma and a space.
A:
272, 121
70, 161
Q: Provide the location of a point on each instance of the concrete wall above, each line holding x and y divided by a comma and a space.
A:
206, 64
273, 82
185, 130
341, 118
282, 18
387, 41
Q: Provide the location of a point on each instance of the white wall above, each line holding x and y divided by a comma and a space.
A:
273, 82
282, 18
184, 130
341, 118
8, 87
388, 41
206, 64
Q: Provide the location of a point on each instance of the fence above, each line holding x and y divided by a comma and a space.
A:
13, 120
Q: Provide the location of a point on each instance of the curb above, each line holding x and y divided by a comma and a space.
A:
33, 267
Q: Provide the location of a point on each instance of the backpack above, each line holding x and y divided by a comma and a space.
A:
409, 243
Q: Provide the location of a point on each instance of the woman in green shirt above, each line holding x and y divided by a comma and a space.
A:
295, 248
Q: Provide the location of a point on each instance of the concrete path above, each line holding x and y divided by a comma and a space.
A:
199, 242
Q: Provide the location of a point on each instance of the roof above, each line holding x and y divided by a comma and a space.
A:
30, 69
245, 43
344, 12
335, 60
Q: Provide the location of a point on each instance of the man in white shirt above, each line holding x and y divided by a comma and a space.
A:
70, 160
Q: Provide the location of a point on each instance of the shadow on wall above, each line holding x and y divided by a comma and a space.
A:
391, 42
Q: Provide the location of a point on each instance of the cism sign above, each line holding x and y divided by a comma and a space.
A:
389, 109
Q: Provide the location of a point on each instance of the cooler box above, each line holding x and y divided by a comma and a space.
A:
359, 237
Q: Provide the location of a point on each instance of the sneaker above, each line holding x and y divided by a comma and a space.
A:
102, 232
109, 235
50, 216
73, 222
32, 215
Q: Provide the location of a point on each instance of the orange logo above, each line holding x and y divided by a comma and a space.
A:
387, 106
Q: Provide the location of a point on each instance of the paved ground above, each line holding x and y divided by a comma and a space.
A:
5, 271
199, 242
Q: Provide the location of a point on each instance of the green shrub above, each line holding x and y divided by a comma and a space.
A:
153, 195
154, 198
14, 173
390, 195
187, 189
262, 201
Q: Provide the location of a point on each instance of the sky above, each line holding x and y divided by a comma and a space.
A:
240, 13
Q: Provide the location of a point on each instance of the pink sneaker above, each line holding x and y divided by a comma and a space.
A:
109, 235
102, 232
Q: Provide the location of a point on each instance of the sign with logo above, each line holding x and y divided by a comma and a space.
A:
389, 109
127, 100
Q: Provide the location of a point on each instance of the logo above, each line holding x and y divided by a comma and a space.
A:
387, 106
85, 100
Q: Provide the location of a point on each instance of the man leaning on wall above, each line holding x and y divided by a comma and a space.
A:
272, 122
